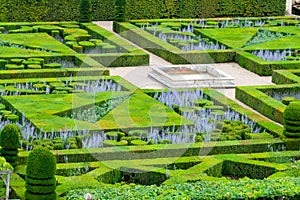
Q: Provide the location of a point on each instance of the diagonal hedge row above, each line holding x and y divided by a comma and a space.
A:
242, 38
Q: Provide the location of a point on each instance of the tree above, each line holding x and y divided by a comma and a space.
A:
120, 15
85, 11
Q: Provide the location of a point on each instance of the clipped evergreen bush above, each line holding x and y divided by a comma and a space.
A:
40, 175
291, 117
120, 11
10, 142
85, 11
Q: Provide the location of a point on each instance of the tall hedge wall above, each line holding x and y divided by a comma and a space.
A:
66, 10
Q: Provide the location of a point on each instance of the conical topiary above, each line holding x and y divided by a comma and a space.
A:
291, 117
85, 11
40, 175
10, 142
120, 10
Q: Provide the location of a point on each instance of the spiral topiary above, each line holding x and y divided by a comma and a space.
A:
40, 175
291, 117
10, 142
85, 11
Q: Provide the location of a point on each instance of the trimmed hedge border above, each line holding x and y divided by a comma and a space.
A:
177, 56
168, 51
254, 97
132, 57
261, 67
163, 151
286, 76
46, 10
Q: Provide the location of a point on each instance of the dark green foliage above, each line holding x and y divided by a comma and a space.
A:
240, 170
10, 142
10, 137
120, 11
235, 130
66, 10
85, 11
291, 118
31, 196
278, 188
287, 100
36, 168
40, 171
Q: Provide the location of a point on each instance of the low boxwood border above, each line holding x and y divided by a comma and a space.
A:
254, 97
177, 56
286, 76
168, 51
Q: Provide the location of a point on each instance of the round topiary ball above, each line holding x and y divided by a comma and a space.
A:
292, 111
292, 120
10, 137
41, 164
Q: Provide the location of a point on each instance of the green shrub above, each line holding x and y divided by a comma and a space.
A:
10, 142
291, 118
111, 143
40, 174
85, 11
36, 168
138, 142
4, 165
120, 10
116, 135
10, 137
287, 100
138, 133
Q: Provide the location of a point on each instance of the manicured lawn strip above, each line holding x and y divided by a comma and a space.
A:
37, 40
284, 29
141, 111
42, 110
286, 76
254, 97
292, 42
232, 37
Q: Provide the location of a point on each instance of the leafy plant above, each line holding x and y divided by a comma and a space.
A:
85, 11
120, 10
292, 120
266, 35
223, 189
10, 142
40, 172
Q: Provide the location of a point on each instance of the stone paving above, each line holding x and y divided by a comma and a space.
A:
139, 75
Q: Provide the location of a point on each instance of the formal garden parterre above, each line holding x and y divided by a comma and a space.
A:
112, 140
257, 44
